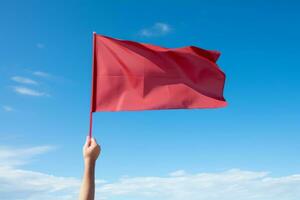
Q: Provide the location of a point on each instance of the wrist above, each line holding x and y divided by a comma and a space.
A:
89, 162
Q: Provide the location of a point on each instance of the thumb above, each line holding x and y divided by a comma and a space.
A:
87, 141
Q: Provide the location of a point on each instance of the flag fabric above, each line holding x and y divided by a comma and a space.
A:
130, 76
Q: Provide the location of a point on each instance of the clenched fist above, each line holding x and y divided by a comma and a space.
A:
91, 150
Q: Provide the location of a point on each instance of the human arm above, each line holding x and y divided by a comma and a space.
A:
91, 151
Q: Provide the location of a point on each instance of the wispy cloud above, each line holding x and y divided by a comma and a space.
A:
20, 156
158, 29
28, 91
7, 108
25, 90
17, 183
51, 77
40, 45
23, 80
41, 74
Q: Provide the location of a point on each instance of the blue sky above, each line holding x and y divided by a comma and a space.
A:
45, 76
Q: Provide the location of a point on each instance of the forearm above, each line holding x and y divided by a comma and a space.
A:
87, 191
91, 151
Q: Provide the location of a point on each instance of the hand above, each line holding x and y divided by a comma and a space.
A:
91, 150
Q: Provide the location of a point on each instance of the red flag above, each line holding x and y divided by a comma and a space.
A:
135, 76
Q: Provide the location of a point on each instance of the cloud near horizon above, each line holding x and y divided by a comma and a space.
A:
17, 183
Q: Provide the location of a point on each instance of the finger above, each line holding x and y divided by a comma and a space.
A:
93, 142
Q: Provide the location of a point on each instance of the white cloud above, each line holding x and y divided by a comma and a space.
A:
158, 29
28, 91
24, 80
235, 184
8, 108
228, 185
40, 45
41, 74
15, 157
16, 183
24, 184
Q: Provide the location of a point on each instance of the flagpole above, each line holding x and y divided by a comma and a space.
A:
93, 80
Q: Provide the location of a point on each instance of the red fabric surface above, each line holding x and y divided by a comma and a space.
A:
134, 76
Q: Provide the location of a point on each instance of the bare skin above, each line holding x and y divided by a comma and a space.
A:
91, 151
